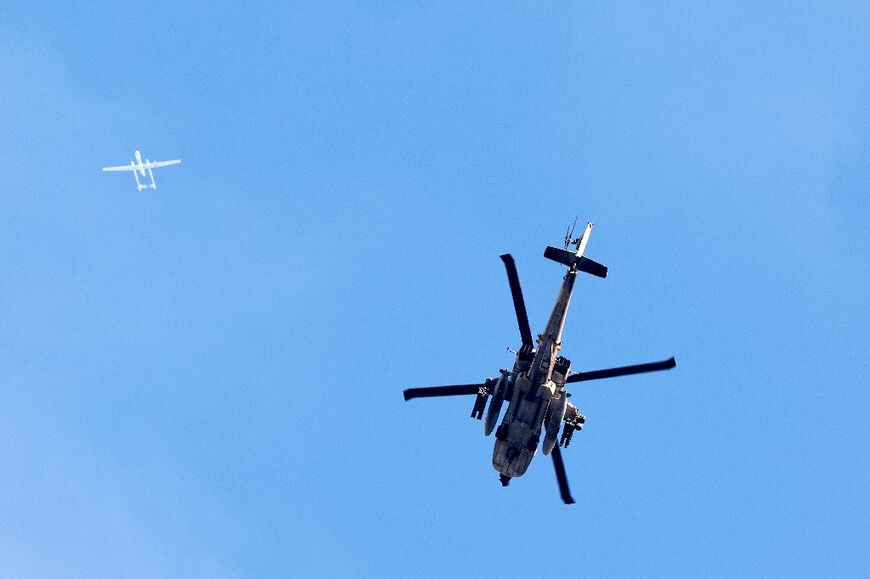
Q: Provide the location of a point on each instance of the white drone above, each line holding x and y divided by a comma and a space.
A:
138, 167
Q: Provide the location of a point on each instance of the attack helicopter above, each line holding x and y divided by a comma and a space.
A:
535, 387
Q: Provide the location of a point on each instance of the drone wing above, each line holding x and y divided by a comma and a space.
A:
121, 168
158, 164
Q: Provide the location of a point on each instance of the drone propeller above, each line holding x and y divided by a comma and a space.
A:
622, 371
519, 302
433, 391
561, 477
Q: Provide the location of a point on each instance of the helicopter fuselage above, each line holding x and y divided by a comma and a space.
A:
535, 394
534, 389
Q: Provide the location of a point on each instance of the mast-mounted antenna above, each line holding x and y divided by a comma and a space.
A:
569, 233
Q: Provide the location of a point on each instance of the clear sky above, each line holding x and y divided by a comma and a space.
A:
206, 380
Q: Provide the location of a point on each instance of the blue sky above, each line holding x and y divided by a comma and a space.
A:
205, 380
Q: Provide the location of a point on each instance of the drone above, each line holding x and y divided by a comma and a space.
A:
535, 387
138, 167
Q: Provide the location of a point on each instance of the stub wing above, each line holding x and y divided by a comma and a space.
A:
121, 168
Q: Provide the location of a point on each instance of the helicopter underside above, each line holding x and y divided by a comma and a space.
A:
512, 456
540, 403
516, 439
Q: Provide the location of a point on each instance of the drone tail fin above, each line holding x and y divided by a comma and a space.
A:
571, 259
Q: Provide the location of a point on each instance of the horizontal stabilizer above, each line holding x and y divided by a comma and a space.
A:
592, 266
571, 259
562, 256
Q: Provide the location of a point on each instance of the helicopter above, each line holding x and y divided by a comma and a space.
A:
535, 387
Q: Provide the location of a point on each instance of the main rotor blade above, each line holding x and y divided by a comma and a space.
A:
561, 477
442, 391
623, 371
519, 302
